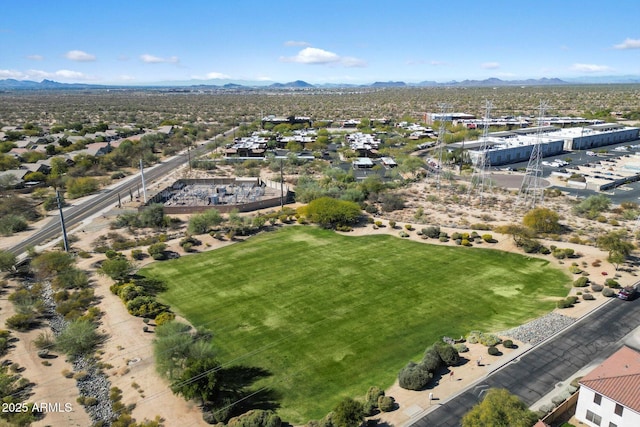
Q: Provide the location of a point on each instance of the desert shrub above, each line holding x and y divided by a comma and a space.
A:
432, 232
596, 287
371, 399
456, 236
137, 254
588, 297
487, 238
530, 246
581, 282
612, 283
80, 337
608, 292
164, 317
22, 322
489, 340
507, 344
493, 351
572, 299
386, 403
431, 360
474, 337
256, 418
574, 269
403, 234
146, 306
408, 227
443, 239
465, 242
414, 377
392, 224
461, 347
448, 353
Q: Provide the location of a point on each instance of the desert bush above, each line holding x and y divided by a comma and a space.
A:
392, 224
581, 282
414, 377
487, 238
493, 351
608, 292
507, 343
431, 361
588, 297
164, 317
256, 418
80, 337
22, 322
574, 269
448, 353
146, 306
432, 232
612, 283
443, 239
489, 340
461, 347
596, 287
386, 403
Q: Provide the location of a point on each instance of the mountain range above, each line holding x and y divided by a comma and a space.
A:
12, 84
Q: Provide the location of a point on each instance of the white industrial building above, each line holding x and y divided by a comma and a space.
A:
516, 146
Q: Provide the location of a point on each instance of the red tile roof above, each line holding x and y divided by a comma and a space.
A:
618, 378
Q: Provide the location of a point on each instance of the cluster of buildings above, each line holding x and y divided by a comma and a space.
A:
108, 140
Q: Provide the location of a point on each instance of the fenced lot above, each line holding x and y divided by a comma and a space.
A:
330, 315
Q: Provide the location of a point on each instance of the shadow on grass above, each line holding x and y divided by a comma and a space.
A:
237, 381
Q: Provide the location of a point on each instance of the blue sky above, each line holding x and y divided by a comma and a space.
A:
147, 41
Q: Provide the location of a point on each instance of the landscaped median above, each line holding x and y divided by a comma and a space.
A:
330, 315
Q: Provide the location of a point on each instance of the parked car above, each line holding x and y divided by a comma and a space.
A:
628, 293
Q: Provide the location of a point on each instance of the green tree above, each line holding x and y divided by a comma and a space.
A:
116, 268
52, 262
499, 409
199, 380
617, 245
330, 212
542, 220
519, 233
79, 338
592, 206
348, 413
201, 223
10, 224
81, 186
7, 260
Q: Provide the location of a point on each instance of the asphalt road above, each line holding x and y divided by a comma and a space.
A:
77, 213
537, 372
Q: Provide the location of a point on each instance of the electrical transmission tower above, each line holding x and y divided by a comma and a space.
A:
531, 192
444, 117
483, 163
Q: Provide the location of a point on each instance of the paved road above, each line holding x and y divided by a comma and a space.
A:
536, 373
76, 214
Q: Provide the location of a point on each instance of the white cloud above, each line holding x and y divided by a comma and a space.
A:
35, 57
296, 43
215, 75
313, 55
12, 74
628, 44
68, 75
490, 65
126, 78
80, 56
151, 59
590, 68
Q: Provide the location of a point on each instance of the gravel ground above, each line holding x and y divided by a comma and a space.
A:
94, 383
539, 329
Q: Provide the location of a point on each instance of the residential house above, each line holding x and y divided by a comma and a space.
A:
610, 394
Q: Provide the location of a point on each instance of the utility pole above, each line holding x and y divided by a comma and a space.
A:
144, 188
64, 230
281, 187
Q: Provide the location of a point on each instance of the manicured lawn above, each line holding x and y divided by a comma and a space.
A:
330, 315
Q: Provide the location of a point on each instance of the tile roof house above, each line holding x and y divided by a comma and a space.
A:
610, 394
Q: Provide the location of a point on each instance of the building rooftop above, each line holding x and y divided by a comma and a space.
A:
618, 378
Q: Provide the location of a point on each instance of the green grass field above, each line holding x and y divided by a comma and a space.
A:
330, 315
